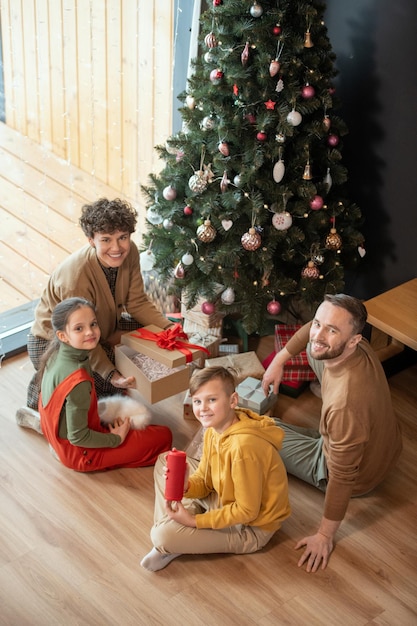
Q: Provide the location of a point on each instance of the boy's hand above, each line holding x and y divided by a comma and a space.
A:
177, 512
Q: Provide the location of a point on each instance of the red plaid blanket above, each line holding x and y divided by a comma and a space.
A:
297, 368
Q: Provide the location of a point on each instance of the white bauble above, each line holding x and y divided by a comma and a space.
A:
153, 216
294, 118
147, 261
278, 171
282, 220
187, 259
228, 296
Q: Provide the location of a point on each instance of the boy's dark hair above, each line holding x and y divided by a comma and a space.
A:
107, 216
203, 376
353, 306
59, 320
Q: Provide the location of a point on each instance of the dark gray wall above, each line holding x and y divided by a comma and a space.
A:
375, 44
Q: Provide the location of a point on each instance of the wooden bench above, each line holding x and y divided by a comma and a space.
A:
393, 318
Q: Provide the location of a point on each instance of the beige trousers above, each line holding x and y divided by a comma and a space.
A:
169, 537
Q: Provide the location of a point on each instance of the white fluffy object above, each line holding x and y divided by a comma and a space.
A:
111, 407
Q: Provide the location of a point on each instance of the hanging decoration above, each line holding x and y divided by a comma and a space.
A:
187, 259
251, 240
210, 40
333, 239
294, 118
169, 193
206, 232
275, 65
273, 307
244, 57
311, 271
147, 260
224, 183
256, 10
208, 308
279, 168
227, 224
308, 43
179, 271
228, 296
316, 203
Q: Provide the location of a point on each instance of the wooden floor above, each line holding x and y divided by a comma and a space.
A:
70, 544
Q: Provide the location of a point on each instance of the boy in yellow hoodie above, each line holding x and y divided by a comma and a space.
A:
237, 497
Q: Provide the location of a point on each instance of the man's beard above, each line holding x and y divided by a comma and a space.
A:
329, 354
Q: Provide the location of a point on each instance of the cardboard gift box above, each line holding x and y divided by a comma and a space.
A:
192, 328
208, 341
251, 396
196, 315
154, 380
170, 347
244, 364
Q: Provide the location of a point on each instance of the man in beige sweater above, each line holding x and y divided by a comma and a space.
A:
358, 440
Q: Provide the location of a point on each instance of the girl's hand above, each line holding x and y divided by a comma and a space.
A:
121, 427
177, 512
119, 381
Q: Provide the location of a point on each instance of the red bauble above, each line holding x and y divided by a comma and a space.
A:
261, 136
217, 3
188, 210
276, 29
316, 203
333, 140
273, 307
308, 91
208, 308
251, 118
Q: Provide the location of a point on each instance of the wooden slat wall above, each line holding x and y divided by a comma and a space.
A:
91, 81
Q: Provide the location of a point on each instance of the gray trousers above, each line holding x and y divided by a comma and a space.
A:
169, 537
302, 448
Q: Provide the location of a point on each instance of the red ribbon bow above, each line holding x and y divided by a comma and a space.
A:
170, 339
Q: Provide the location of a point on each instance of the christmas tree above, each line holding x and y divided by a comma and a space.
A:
250, 214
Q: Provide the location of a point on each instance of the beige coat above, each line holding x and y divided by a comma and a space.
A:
81, 275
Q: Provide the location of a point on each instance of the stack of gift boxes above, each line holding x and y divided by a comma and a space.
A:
158, 359
162, 361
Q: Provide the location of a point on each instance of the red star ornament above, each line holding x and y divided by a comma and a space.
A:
270, 104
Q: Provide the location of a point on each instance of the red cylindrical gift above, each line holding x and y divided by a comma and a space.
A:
175, 475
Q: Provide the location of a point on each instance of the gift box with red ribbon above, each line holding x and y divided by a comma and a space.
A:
170, 346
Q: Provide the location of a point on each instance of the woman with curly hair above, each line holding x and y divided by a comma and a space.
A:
106, 271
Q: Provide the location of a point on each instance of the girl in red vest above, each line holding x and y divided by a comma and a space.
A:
68, 403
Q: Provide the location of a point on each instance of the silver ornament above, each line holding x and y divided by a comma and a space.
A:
228, 296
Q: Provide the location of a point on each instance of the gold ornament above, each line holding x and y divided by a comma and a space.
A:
307, 40
333, 240
307, 175
206, 232
251, 240
197, 182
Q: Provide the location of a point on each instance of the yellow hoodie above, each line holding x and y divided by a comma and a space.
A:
243, 466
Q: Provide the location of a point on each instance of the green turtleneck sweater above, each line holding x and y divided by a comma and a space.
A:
73, 420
